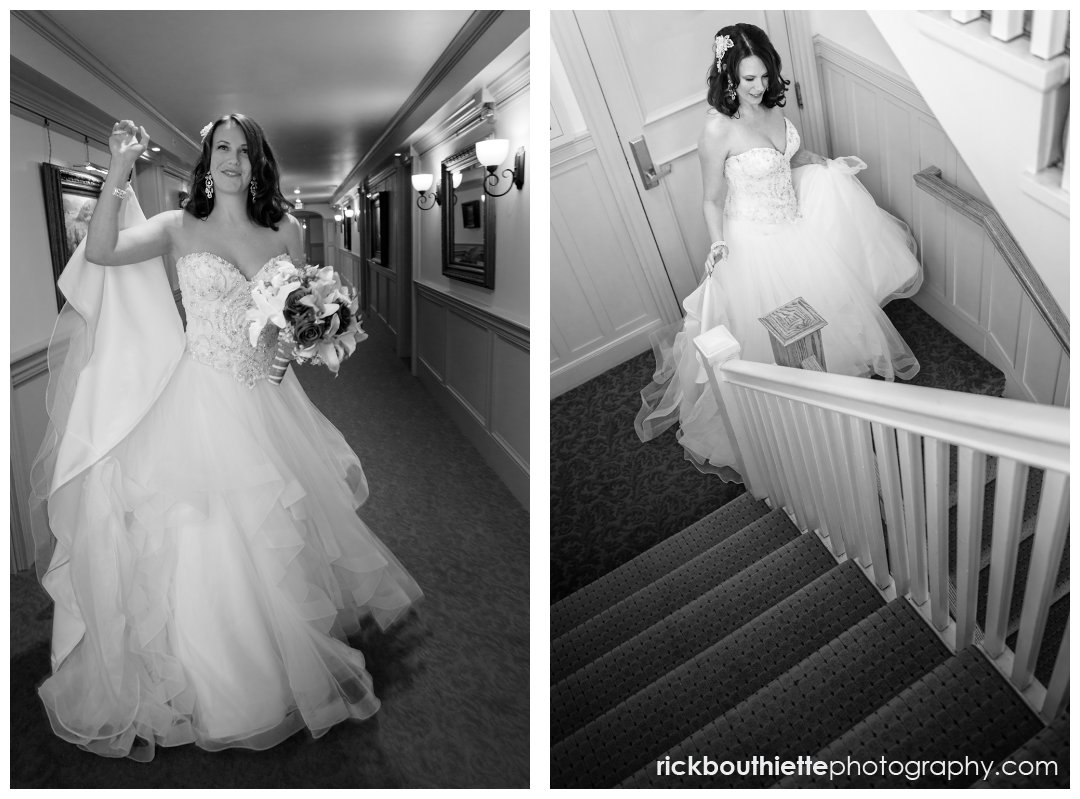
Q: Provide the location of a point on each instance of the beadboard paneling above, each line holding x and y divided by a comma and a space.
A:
881, 118
476, 365
29, 379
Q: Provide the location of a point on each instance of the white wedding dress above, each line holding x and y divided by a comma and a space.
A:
203, 550
812, 232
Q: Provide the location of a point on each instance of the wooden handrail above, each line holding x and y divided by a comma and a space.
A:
930, 181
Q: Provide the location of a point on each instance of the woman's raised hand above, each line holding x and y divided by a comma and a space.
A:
128, 142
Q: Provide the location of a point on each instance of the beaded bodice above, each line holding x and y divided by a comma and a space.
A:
759, 182
216, 297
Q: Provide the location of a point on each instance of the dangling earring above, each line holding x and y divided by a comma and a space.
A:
254, 188
209, 186
731, 93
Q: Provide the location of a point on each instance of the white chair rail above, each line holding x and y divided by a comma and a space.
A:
843, 454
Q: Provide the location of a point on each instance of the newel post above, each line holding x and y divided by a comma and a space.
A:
715, 348
795, 335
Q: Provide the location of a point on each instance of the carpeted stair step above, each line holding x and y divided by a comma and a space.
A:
1050, 745
1054, 631
652, 564
618, 674
650, 604
814, 702
636, 731
962, 709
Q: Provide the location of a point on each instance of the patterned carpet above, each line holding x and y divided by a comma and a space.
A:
453, 679
613, 497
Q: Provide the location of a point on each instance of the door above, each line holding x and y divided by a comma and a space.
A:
651, 67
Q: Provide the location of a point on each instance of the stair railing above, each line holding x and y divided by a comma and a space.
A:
930, 181
840, 453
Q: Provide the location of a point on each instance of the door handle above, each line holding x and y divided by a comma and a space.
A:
650, 175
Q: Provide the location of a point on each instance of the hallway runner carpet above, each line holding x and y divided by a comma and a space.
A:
453, 678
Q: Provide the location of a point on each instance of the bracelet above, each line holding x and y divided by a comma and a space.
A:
121, 193
717, 245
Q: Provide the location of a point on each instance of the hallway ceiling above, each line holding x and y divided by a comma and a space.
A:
324, 85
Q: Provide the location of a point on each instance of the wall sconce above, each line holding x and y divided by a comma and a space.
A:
349, 212
338, 217
427, 199
491, 153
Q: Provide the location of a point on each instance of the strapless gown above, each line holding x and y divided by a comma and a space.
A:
812, 232
209, 567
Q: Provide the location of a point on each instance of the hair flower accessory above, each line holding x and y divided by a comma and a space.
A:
720, 46
206, 130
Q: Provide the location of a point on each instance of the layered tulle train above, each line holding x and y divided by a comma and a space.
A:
843, 255
214, 562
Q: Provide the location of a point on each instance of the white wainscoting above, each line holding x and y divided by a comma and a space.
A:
347, 264
603, 304
476, 365
968, 288
29, 378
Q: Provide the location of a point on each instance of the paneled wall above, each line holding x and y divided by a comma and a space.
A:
477, 367
880, 117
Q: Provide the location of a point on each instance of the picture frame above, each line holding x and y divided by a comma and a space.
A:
379, 214
70, 198
470, 214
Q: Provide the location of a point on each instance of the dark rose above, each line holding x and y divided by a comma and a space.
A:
344, 318
293, 309
307, 332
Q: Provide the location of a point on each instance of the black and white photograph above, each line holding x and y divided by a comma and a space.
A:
270, 520
809, 399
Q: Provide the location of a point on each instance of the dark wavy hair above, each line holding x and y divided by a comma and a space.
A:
269, 205
747, 40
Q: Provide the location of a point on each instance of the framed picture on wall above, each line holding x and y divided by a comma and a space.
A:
70, 198
379, 206
470, 214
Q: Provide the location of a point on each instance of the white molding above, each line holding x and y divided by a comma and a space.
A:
458, 49
573, 147
1045, 187
1012, 59
27, 367
514, 331
63, 40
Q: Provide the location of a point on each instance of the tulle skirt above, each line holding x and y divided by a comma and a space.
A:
216, 564
843, 255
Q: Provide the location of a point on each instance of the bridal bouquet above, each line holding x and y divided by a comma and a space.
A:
315, 311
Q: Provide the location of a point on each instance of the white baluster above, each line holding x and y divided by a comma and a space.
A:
1006, 25
965, 16
1008, 515
1059, 681
1048, 30
936, 453
788, 465
841, 456
971, 487
803, 468
775, 482
889, 469
758, 480
1051, 530
1065, 158
867, 498
911, 478
831, 504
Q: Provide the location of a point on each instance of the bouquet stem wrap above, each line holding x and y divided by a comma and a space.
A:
281, 361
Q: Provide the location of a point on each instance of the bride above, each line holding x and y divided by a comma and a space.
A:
785, 223
202, 548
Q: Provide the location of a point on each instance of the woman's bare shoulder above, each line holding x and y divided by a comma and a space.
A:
716, 133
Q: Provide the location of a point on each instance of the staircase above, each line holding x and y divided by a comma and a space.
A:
739, 638
744, 640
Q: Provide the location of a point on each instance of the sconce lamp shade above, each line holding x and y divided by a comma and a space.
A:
349, 212
338, 217
422, 182
492, 152
457, 179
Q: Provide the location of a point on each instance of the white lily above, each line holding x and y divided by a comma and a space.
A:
269, 309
